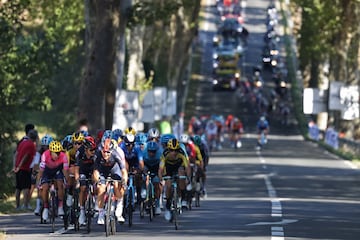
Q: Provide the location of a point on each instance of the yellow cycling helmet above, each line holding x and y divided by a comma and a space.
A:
55, 146
77, 137
130, 130
173, 144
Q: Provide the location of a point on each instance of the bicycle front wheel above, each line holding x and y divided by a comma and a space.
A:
89, 210
130, 206
108, 214
151, 201
175, 211
52, 211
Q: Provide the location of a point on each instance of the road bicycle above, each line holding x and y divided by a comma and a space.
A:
175, 200
196, 183
148, 203
130, 198
72, 212
109, 199
53, 205
89, 204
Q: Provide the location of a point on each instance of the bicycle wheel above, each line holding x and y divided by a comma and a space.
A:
175, 209
52, 210
108, 214
130, 206
142, 209
113, 224
151, 201
89, 210
76, 210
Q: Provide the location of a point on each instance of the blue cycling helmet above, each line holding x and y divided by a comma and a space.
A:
152, 146
66, 142
164, 139
117, 134
46, 140
107, 134
141, 138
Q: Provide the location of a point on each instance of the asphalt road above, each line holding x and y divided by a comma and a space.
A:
291, 189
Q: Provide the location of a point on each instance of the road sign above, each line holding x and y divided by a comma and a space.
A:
315, 100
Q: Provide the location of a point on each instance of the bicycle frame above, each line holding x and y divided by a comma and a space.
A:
130, 197
110, 223
175, 205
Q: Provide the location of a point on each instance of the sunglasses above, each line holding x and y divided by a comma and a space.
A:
152, 151
91, 149
78, 143
108, 152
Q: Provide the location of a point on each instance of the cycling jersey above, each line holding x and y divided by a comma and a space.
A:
71, 156
133, 156
85, 164
52, 169
171, 164
152, 162
262, 125
111, 167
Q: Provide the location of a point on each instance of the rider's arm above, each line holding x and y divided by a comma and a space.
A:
65, 162
161, 167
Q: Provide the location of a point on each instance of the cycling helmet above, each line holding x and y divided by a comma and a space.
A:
84, 132
66, 142
108, 145
262, 118
153, 133
117, 134
164, 139
107, 134
45, 140
152, 146
130, 130
89, 142
77, 137
197, 140
129, 139
55, 146
173, 144
184, 138
140, 138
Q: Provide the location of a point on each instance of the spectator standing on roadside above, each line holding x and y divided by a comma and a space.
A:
25, 153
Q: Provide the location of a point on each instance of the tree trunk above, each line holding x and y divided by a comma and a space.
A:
120, 55
99, 66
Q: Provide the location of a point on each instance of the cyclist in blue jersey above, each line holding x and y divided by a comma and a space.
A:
152, 154
134, 160
262, 127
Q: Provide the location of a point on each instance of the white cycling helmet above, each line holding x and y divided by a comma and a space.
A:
184, 138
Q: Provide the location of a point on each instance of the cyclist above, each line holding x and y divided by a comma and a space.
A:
211, 132
45, 141
236, 129
110, 161
84, 166
204, 150
54, 165
134, 160
151, 163
262, 127
173, 162
77, 139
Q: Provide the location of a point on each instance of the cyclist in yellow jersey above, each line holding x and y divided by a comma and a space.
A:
173, 162
77, 140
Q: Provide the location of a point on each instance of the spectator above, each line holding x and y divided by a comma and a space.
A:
25, 153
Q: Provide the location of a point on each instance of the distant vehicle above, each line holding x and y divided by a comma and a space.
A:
225, 80
225, 57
